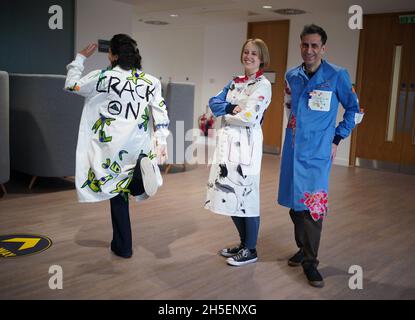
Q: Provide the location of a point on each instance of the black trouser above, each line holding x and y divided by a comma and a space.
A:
121, 242
136, 185
307, 235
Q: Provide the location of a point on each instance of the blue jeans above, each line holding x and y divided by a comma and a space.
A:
248, 228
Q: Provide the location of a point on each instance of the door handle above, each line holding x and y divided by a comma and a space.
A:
409, 108
401, 108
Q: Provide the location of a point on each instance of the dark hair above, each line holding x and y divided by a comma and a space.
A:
313, 29
128, 54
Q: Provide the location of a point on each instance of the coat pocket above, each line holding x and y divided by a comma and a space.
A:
320, 100
241, 149
315, 145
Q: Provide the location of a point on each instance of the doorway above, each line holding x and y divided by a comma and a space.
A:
275, 34
386, 87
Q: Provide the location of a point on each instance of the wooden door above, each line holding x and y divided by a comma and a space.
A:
385, 86
408, 127
275, 34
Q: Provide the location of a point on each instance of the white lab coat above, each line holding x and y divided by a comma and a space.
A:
233, 186
115, 127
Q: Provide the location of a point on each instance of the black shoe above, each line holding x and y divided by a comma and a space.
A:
245, 256
314, 277
230, 252
122, 255
297, 259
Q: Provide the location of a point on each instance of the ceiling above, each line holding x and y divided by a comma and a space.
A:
204, 12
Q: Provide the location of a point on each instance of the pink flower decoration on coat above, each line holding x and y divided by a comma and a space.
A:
292, 123
316, 203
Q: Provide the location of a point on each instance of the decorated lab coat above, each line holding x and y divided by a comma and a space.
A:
233, 186
312, 106
115, 127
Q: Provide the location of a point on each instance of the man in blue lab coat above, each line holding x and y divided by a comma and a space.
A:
312, 95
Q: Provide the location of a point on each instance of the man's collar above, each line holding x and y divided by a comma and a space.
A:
308, 73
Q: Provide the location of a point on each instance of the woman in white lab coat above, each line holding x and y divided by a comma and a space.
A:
233, 186
115, 132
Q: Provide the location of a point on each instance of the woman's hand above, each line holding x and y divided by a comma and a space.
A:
89, 50
333, 151
236, 110
161, 151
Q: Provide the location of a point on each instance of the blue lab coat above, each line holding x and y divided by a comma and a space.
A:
306, 157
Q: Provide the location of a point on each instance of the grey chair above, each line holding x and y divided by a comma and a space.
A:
4, 130
180, 103
44, 126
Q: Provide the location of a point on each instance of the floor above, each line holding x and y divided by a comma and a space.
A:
371, 224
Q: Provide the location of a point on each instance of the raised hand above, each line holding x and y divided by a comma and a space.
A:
89, 50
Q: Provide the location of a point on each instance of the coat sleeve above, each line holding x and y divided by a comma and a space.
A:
253, 107
160, 116
348, 98
218, 103
287, 98
75, 83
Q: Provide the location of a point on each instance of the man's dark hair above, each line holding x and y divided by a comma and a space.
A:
313, 29
128, 54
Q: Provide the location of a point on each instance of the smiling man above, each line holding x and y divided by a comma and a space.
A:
312, 95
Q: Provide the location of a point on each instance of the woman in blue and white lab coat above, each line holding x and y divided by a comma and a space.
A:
233, 186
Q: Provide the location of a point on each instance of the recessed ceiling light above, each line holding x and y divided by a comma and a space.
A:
156, 22
267, 7
174, 15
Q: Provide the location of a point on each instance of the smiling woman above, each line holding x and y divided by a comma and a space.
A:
233, 186
254, 56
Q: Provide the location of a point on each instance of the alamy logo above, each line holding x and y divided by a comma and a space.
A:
356, 20
56, 280
356, 280
56, 20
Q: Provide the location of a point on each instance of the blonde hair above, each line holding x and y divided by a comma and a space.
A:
262, 51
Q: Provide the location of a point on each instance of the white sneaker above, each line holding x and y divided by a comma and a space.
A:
149, 177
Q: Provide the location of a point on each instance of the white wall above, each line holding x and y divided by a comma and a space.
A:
100, 19
222, 49
208, 56
174, 55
